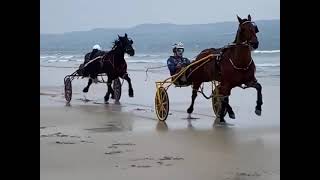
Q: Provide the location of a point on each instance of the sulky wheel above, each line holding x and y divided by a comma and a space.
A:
67, 89
117, 89
162, 104
216, 104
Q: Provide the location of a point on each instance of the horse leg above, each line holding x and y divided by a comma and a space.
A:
193, 97
112, 94
126, 77
224, 103
229, 109
224, 90
110, 90
258, 87
86, 89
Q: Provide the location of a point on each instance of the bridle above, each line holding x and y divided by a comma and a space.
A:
245, 43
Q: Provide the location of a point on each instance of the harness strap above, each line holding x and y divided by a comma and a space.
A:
112, 63
92, 60
239, 68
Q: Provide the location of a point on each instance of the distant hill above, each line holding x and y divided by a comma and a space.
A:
160, 37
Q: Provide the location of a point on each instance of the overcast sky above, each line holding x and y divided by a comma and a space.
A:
57, 16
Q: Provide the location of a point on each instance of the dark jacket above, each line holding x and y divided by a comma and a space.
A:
93, 54
89, 56
173, 61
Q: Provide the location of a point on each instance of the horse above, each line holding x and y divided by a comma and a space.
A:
113, 64
232, 66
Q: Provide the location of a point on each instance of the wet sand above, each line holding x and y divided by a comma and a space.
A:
92, 140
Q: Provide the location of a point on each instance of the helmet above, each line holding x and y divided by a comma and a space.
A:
178, 45
96, 47
178, 49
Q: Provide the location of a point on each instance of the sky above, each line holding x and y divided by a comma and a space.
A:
59, 16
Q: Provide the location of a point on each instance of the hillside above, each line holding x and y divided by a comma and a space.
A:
160, 37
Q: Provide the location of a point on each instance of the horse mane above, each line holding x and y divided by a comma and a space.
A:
115, 44
237, 35
236, 38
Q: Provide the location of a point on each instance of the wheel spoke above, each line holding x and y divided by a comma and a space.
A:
163, 108
160, 95
161, 112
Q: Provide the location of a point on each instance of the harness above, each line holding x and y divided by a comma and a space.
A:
239, 68
92, 60
220, 54
111, 61
106, 60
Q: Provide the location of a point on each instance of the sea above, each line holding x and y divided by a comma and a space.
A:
267, 61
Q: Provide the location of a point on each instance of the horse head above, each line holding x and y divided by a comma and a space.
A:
125, 44
247, 31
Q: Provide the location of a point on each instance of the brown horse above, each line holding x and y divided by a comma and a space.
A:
232, 66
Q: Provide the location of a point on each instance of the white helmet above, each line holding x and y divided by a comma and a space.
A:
97, 47
178, 45
178, 48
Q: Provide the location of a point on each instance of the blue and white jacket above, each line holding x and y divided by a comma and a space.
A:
173, 61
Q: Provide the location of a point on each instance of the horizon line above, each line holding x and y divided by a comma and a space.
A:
148, 24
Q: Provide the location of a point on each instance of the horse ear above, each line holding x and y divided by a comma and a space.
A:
118, 36
239, 19
125, 35
249, 17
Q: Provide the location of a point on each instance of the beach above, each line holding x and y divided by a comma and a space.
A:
93, 140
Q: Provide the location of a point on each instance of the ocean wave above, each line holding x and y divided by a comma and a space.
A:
268, 65
67, 56
158, 61
266, 52
80, 57
147, 55
72, 67
143, 56
150, 58
53, 60
64, 60
142, 61
45, 57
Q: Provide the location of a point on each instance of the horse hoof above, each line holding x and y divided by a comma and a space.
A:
130, 93
258, 112
232, 116
85, 90
223, 123
219, 121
